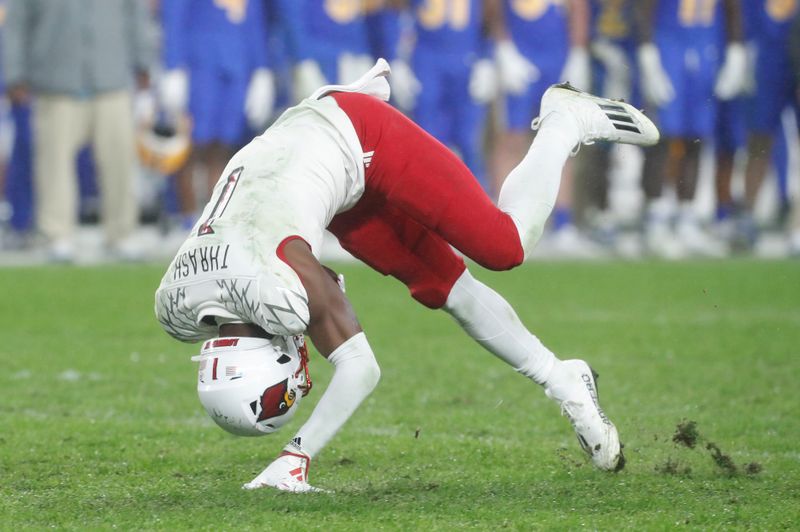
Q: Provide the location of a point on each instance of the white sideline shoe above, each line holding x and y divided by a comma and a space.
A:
289, 472
574, 388
598, 118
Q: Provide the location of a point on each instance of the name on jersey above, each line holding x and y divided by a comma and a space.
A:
201, 260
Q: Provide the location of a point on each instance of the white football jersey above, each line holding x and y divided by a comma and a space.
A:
288, 182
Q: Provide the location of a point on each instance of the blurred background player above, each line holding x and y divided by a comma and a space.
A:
78, 58
682, 71
551, 38
794, 53
451, 77
328, 42
775, 90
216, 71
614, 75
16, 205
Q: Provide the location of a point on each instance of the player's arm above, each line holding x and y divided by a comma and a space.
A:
332, 319
336, 334
733, 77
656, 84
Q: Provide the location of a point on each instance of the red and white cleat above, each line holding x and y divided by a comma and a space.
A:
289, 472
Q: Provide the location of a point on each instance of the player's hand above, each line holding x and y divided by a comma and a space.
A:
350, 67
656, 85
732, 77
173, 91
405, 85
308, 77
260, 99
577, 70
483, 81
617, 82
144, 107
516, 72
19, 94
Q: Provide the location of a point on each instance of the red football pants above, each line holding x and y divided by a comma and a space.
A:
419, 199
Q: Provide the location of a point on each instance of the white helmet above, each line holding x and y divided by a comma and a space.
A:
252, 386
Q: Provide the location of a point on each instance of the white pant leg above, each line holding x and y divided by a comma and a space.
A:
530, 190
491, 321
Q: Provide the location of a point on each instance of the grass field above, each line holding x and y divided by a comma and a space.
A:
100, 426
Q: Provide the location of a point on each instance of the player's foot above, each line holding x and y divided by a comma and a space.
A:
598, 118
573, 386
660, 241
289, 472
697, 242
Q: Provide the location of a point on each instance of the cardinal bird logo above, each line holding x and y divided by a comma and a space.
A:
276, 400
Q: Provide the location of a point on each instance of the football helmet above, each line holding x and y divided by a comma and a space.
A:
252, 386
164, 147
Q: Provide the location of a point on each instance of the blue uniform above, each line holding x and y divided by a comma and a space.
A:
19, 184
323, 30
449, 41
613, 21
771, 22
540, 31
220, 44
687, 33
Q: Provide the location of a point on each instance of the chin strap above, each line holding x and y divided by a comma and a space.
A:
303, 351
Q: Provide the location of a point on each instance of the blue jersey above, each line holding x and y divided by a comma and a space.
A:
613, 20
229, 34
769, 21
538, 27
325, 27
449, 25
693, 22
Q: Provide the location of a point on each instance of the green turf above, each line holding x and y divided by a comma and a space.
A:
100, 426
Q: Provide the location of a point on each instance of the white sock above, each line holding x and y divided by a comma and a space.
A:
355, 375
490, 320
530, 190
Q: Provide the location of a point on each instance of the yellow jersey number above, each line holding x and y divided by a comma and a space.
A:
234, 9
781, 10
343, 11
532, 9
692, 13
611, 23
434, 14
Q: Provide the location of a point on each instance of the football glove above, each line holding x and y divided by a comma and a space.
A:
656, 85
516, 72
617, 83
173, 91
260, 99
308, 77
483, 81
351, 67
577, 69
732, 77
405, 85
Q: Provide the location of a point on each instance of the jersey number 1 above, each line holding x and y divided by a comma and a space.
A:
222, 201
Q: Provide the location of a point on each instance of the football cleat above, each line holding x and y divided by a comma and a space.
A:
598, 118
573, 386
289, 472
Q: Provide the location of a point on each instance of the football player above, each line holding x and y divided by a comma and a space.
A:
328, 41
449, 78
562, 56
682, 71
217, 70
248, 277
775, 90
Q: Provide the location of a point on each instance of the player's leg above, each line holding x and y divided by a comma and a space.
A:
394, 244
